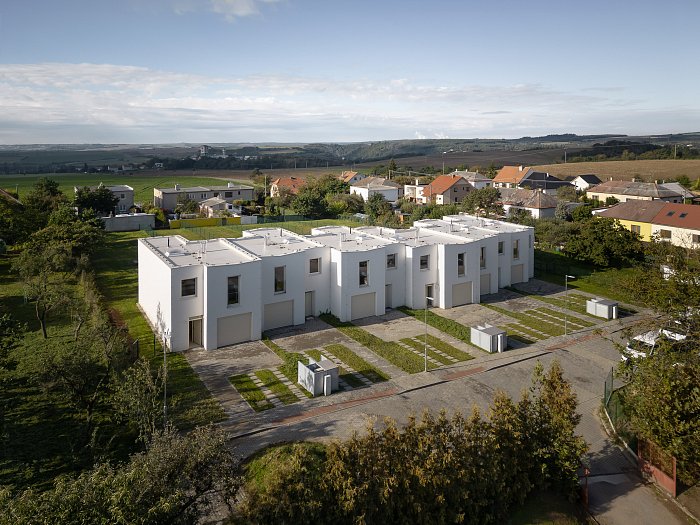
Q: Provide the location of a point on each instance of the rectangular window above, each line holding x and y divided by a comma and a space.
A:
665, 234
482, 258
189, 287
364, 273
696, 239
516, 249
122, 196
500, 247
424, 262
203, 195
636, 228
280, 285
233, 290
391, 260
460, 264
315, 265
228, 194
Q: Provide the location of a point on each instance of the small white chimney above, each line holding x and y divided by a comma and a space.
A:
177, 186
229, 185
520, 168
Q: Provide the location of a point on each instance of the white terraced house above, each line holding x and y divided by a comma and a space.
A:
224, 291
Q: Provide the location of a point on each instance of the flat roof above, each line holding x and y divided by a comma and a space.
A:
466, 231
203, 188
177, 251
486, 224
273, 241
414, 236
347, 239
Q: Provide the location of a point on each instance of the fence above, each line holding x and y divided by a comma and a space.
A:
652, 461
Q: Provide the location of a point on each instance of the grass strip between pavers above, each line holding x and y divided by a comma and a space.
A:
448, 349
520, 338
354, 361
389, 350
250, 392
342, 373
571, 319
525, 330
278, 388
289, 368
529, 320
450, 327
420, 347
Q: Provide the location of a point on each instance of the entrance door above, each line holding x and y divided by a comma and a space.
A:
195, 332
387, 296
429, 299
309, 302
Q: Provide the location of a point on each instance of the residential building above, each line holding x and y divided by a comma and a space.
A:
223, 291
291, 185
217, 206
351, 177
447, 189
585, 182
124, 193
413, 192
687, 195
477, 180
167, 198
538, 180
369, 186
510, 176
625, 191
677, 223
536, 202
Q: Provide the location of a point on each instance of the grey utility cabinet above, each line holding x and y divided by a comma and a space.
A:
318, 377
602, 308
489, 337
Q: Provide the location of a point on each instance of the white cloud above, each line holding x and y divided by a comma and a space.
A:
79, 102
231, 10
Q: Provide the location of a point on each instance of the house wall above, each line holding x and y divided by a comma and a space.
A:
644, 228
417, 279
154, 293
396, 277
593, 195
346, 284
679, 236
183, 309
127, 223
126, 199
295, 281
319, 283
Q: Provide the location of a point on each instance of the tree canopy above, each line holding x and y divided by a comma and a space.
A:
100, 199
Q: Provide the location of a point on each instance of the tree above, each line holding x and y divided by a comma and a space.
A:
78, 237
186, 205
176, 481
567, 193
605, 242
101, 200
485, 201
582, 213
309, 202
562, 211
14, 224
377, 205
44, 198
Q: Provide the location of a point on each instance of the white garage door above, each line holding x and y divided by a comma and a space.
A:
278, 314
362, 306
233, 329
516, 274
485, 284
461, 293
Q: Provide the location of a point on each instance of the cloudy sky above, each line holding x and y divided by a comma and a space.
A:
163, 71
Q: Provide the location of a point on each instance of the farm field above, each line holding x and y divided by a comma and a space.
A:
648, 170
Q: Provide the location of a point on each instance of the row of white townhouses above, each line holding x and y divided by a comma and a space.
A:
224, 291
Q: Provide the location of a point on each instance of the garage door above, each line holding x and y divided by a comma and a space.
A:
461, 293
233, 329
485, 283
362, 305
516, 274
278, 314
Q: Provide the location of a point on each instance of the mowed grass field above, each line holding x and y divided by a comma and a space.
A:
647, 170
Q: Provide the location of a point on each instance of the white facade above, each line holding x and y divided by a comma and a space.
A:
220, 292
389, 193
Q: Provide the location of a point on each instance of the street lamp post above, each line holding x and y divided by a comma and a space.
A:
566, 300
425, 341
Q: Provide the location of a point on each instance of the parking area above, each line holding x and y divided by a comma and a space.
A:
261, 376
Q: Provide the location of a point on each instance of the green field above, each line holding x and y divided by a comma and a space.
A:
143, 184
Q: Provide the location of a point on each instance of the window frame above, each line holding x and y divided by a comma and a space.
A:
482, 258
427, 262
501, 247
194, 287
393, 258
276, 280
516, 249
318, 265
237, 290
461, 266
665, 234
366, 273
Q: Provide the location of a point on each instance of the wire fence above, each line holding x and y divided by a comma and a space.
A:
613, 403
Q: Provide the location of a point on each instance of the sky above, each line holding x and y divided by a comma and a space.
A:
221, 71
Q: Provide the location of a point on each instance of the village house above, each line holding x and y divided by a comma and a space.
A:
290, 185
167, 198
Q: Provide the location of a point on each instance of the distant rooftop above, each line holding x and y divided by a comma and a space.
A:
347, 239
273, 241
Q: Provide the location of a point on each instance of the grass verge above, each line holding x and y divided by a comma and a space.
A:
450, 327
343, 374
531, 321
418, 345
392, 352
278, 388
289, 367
448, 349
250, 392
354, 361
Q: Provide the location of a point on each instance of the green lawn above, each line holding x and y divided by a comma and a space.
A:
360, 366
418, 345
530, 321
343, 374
392, 352
143, 184
250, 392
278, 388
117, 277
450, 327
289, 368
